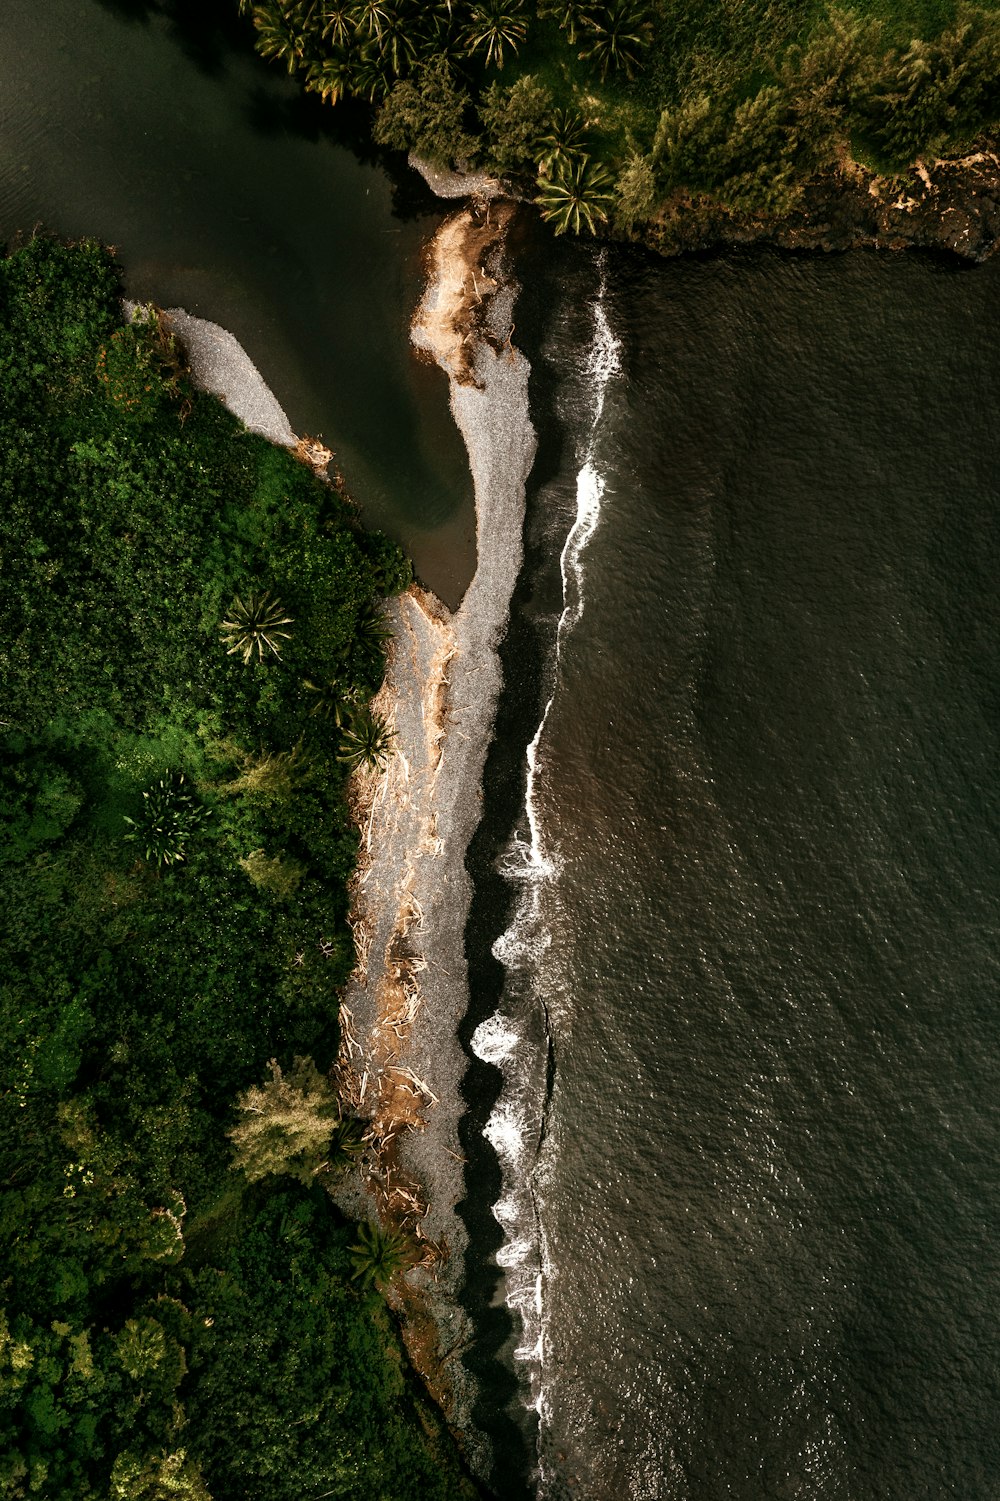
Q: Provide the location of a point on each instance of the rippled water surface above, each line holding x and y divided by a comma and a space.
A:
760, 1254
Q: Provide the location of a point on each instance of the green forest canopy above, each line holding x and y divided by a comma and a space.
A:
612, 106
188, 621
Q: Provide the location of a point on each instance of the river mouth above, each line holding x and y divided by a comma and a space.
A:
228, 193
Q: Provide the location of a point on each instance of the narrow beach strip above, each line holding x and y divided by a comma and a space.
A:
401, 1061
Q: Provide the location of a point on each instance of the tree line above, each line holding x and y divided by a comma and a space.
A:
607, 109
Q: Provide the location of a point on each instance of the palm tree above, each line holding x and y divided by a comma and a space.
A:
495, 25
372, 77
330, 701
372, 627
369, 17
336, 17
564, 142
379, 1255
332, 78
368, 741
568, 13
347, 1143
577, 196
255, 625
282, 31
396, 41
615, 36
436, 32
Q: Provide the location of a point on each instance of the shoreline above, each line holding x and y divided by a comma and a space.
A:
411, 899
949, 205
401, 1063
220, 365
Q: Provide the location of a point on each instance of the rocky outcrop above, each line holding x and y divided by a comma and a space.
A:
951, 206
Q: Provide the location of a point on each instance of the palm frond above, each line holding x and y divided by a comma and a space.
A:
255, 626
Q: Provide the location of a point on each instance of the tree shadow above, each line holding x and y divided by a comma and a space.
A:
210, 33
206, 31
136, 11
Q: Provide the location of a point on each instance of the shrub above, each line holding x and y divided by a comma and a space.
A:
169, 817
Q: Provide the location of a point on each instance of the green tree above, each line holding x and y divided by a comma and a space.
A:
636, 192
273, 873
938, 90
515, 121
157, 1477
426, 114
141, 1346
286, 1124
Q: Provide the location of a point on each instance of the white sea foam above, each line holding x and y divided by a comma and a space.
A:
494, 1039
505, 1131
532, 863
506, 1211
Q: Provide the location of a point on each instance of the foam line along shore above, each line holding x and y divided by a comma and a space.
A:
518, 1038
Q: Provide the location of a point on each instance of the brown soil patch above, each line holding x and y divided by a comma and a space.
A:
450, 326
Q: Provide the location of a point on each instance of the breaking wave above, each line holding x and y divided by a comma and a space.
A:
517, 1038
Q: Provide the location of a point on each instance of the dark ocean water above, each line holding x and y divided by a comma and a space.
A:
758, 1252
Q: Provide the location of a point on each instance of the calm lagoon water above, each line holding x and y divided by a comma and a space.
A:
225, 194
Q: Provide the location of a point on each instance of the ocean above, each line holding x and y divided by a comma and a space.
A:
739, 913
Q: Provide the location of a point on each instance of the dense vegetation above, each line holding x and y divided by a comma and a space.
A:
613, 107
189, 630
